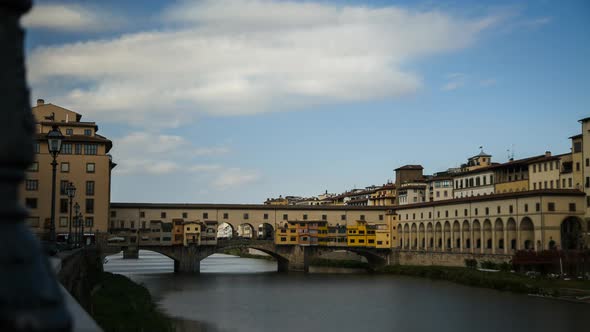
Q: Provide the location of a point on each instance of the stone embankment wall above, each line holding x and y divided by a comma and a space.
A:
426, 258
80, 272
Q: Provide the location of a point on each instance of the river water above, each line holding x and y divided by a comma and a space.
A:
242, 294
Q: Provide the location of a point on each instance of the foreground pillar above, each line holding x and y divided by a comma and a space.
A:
30, 297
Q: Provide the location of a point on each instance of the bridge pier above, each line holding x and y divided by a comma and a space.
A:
189, 258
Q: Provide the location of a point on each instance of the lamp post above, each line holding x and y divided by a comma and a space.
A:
82, 240
30, 299
71, 190
76, 213
54, 139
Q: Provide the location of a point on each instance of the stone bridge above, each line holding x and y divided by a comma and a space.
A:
289, 257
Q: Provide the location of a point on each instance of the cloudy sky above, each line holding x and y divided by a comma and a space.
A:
239, 100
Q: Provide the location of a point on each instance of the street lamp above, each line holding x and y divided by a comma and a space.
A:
76, 213
71, 190
54, 138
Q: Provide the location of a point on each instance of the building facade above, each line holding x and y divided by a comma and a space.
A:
83, 161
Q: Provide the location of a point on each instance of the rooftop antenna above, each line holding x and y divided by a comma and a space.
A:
481, 149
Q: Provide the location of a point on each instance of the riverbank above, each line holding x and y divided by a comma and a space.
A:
119, 304
339, 263
504, 281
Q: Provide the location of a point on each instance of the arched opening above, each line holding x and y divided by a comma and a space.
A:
414, 233
430, 235
511, 233
406, 236
466, 235
421, 236
527, 233
477, 234
246, 231
499, 232
438, 235
265, 231
225, 231
447, 234
457, 234
243, 259
571, 234
117, 264
487, 234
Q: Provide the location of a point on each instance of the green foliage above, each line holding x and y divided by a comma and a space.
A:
339, 263
122, 305
471, 263
489, 265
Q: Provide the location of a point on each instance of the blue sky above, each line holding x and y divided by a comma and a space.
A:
237, 101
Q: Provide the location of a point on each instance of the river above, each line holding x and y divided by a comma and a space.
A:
243, 295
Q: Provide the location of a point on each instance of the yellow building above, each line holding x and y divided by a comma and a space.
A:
192, 233
177, 232
337, 236
323, 233
286, 234
357, 234
83, 161
383, 236
383, 196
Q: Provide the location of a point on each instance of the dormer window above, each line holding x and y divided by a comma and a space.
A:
88, 132
69, 131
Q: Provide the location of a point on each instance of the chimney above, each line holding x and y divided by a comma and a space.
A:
547, 153
40, 102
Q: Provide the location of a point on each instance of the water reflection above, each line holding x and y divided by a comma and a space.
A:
221, 299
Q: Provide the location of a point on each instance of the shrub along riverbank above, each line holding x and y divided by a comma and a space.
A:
119, 304
504, 281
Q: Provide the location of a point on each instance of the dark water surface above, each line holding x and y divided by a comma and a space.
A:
241, 294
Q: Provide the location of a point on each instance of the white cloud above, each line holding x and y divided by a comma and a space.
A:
69, 18
244, 57
454, 81
235, 177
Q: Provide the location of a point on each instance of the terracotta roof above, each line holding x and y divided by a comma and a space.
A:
528, 193
120, 205
415, 167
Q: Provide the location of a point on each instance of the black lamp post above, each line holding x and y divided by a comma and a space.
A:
76, 213
82, 239
54, 139
30, 299
71, 190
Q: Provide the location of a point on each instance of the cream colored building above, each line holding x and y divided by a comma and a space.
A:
84, 161
493, 224
474, 183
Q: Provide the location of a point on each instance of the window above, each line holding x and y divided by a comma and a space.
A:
456, 212
475, 211
90, 149
343, 217
545, 167
184, 215
285, 217
142, 214
499, 209
491, 179
63, 221
537, 207
587, 162
90, 188
226, 216
550, 166
510, 209
66, 148
78, 149
305, 217
265, 216
37, 149
577, 166
324, 217
550, 206
31, 203
63, 185
429, 215
162, 214
90, 167
205, 215
31, 185
69, 131
569, 182
63, 205
588, 182
90, 222
577, 147
87, 132
89, 205
588, 205
143, 224
535, 185
246, 216
363, 217
34, 167
447, 213
572, 207
526, 208
113, 214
